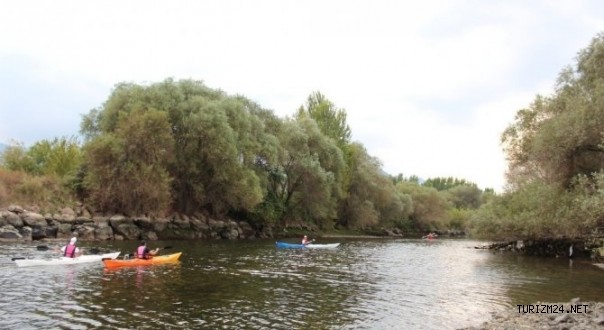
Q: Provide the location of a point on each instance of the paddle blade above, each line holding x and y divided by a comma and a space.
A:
42, 247
17, 258
166, 247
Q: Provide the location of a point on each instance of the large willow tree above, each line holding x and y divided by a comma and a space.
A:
555, 150
212, 138
561, 136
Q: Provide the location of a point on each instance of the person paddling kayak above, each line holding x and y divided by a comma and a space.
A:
71, 250
143, 252
306, 241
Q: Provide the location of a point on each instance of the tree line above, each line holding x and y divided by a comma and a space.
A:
555, 152
180, 146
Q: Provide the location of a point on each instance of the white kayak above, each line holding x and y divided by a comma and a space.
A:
22, 262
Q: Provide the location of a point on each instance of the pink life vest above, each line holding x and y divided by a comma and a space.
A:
140, 252
70, 251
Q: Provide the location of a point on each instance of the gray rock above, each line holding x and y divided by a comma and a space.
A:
160, 225
118, 219
128, 230
181, 224
215, 224
149, 236
144, 223
15, 209
26, 232
33, 219
85, 232
12, 219
64, 230
103, 233
9, 232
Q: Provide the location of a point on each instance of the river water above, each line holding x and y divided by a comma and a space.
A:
362, 284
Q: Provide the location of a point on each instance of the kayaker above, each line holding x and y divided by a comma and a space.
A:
431, 236
305, 240
71, 250
143, 252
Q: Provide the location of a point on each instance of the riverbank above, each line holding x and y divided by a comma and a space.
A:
585, 247
573, 315
19, 224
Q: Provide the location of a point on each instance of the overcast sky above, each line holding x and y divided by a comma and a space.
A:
428, 86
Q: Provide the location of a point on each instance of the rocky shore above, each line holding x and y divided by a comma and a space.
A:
17, 223
573, 315
586, 247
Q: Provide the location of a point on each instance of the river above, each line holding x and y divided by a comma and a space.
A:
362, 284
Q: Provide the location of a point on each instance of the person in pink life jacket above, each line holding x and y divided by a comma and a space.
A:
143, 252
71, 250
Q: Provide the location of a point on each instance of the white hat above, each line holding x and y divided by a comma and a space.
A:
73, 240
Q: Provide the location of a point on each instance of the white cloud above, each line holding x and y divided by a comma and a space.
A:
428, 86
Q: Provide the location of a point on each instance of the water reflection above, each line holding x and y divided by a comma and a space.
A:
363, 284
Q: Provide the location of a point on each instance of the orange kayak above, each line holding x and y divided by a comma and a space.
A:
169, 258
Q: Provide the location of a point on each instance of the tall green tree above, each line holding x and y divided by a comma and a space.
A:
331, 120
556, 159
560, 136
216, 139
304, 183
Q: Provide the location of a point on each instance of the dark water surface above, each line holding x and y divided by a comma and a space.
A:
362, 284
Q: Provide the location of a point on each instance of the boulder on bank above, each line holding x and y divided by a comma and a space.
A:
10, 218
10, 233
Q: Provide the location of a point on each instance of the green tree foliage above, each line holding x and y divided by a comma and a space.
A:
371, 198
559, 137
465, 196
15, 158
429, 208
305, 181
400, 178
127, 168
556, 159
331, 120
215, 140
59, 157
535, 210
441, 184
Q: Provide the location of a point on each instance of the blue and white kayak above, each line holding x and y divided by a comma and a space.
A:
284, 245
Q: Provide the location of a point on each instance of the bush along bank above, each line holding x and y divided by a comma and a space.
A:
18, 224
587, 247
